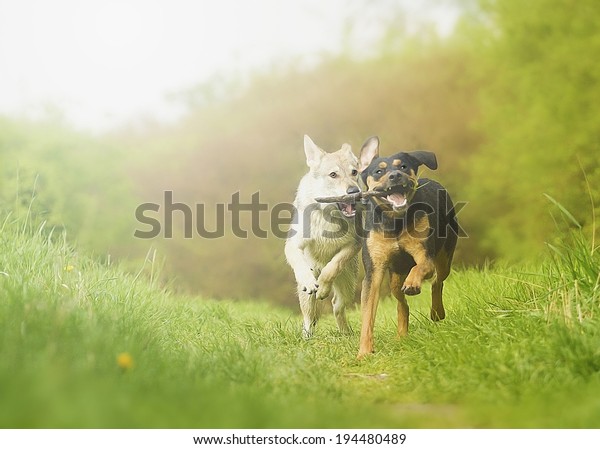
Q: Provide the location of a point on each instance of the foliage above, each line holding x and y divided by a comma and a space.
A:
574, 272
70, 180
540, 84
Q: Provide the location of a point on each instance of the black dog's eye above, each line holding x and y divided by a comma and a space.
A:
333, 174
354, 172
403, 167
378, 172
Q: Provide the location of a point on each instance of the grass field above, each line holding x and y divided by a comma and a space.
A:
520, 348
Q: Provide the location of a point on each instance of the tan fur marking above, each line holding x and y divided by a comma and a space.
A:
382, 165
396, 282
418, 231
370, 182
380, 249
397, 162
369, 302
413, 243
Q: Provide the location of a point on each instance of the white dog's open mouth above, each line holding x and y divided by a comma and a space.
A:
348, 210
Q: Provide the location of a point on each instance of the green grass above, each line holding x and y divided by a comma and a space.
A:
520, 348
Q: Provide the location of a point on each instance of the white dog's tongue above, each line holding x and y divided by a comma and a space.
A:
397, 199
348, 209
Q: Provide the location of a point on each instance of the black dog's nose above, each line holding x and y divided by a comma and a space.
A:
353, 189
395, 175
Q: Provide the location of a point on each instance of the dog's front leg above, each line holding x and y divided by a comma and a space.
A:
294, 253
369, 300
311, 309
307, 284
423, 269
333, 268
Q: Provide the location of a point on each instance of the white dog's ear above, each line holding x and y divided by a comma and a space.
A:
312, 151
368, 152
346, 148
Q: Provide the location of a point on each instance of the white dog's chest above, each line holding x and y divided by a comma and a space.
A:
327, 238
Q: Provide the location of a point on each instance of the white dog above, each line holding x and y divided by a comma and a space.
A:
322, 247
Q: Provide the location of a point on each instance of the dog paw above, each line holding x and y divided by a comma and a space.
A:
310, 289
307, 333
308, 285
411, 289
323, 290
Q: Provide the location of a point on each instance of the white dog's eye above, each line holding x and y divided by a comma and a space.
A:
354, 172
333, 174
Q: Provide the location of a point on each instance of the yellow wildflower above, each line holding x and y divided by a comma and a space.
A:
125, 361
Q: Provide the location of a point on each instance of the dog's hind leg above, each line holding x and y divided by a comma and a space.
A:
437, 306
442, 268
396, 282
311, 310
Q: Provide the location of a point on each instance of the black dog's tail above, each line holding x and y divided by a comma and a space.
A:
448, 222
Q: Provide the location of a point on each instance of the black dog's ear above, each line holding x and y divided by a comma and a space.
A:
426, 158
368, 152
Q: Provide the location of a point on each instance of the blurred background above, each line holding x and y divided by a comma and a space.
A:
105, 105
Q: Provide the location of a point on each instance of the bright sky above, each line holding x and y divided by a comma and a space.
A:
104, 62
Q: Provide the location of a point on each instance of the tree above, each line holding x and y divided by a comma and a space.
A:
540, 73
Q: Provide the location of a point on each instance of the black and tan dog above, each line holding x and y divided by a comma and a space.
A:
410, 232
